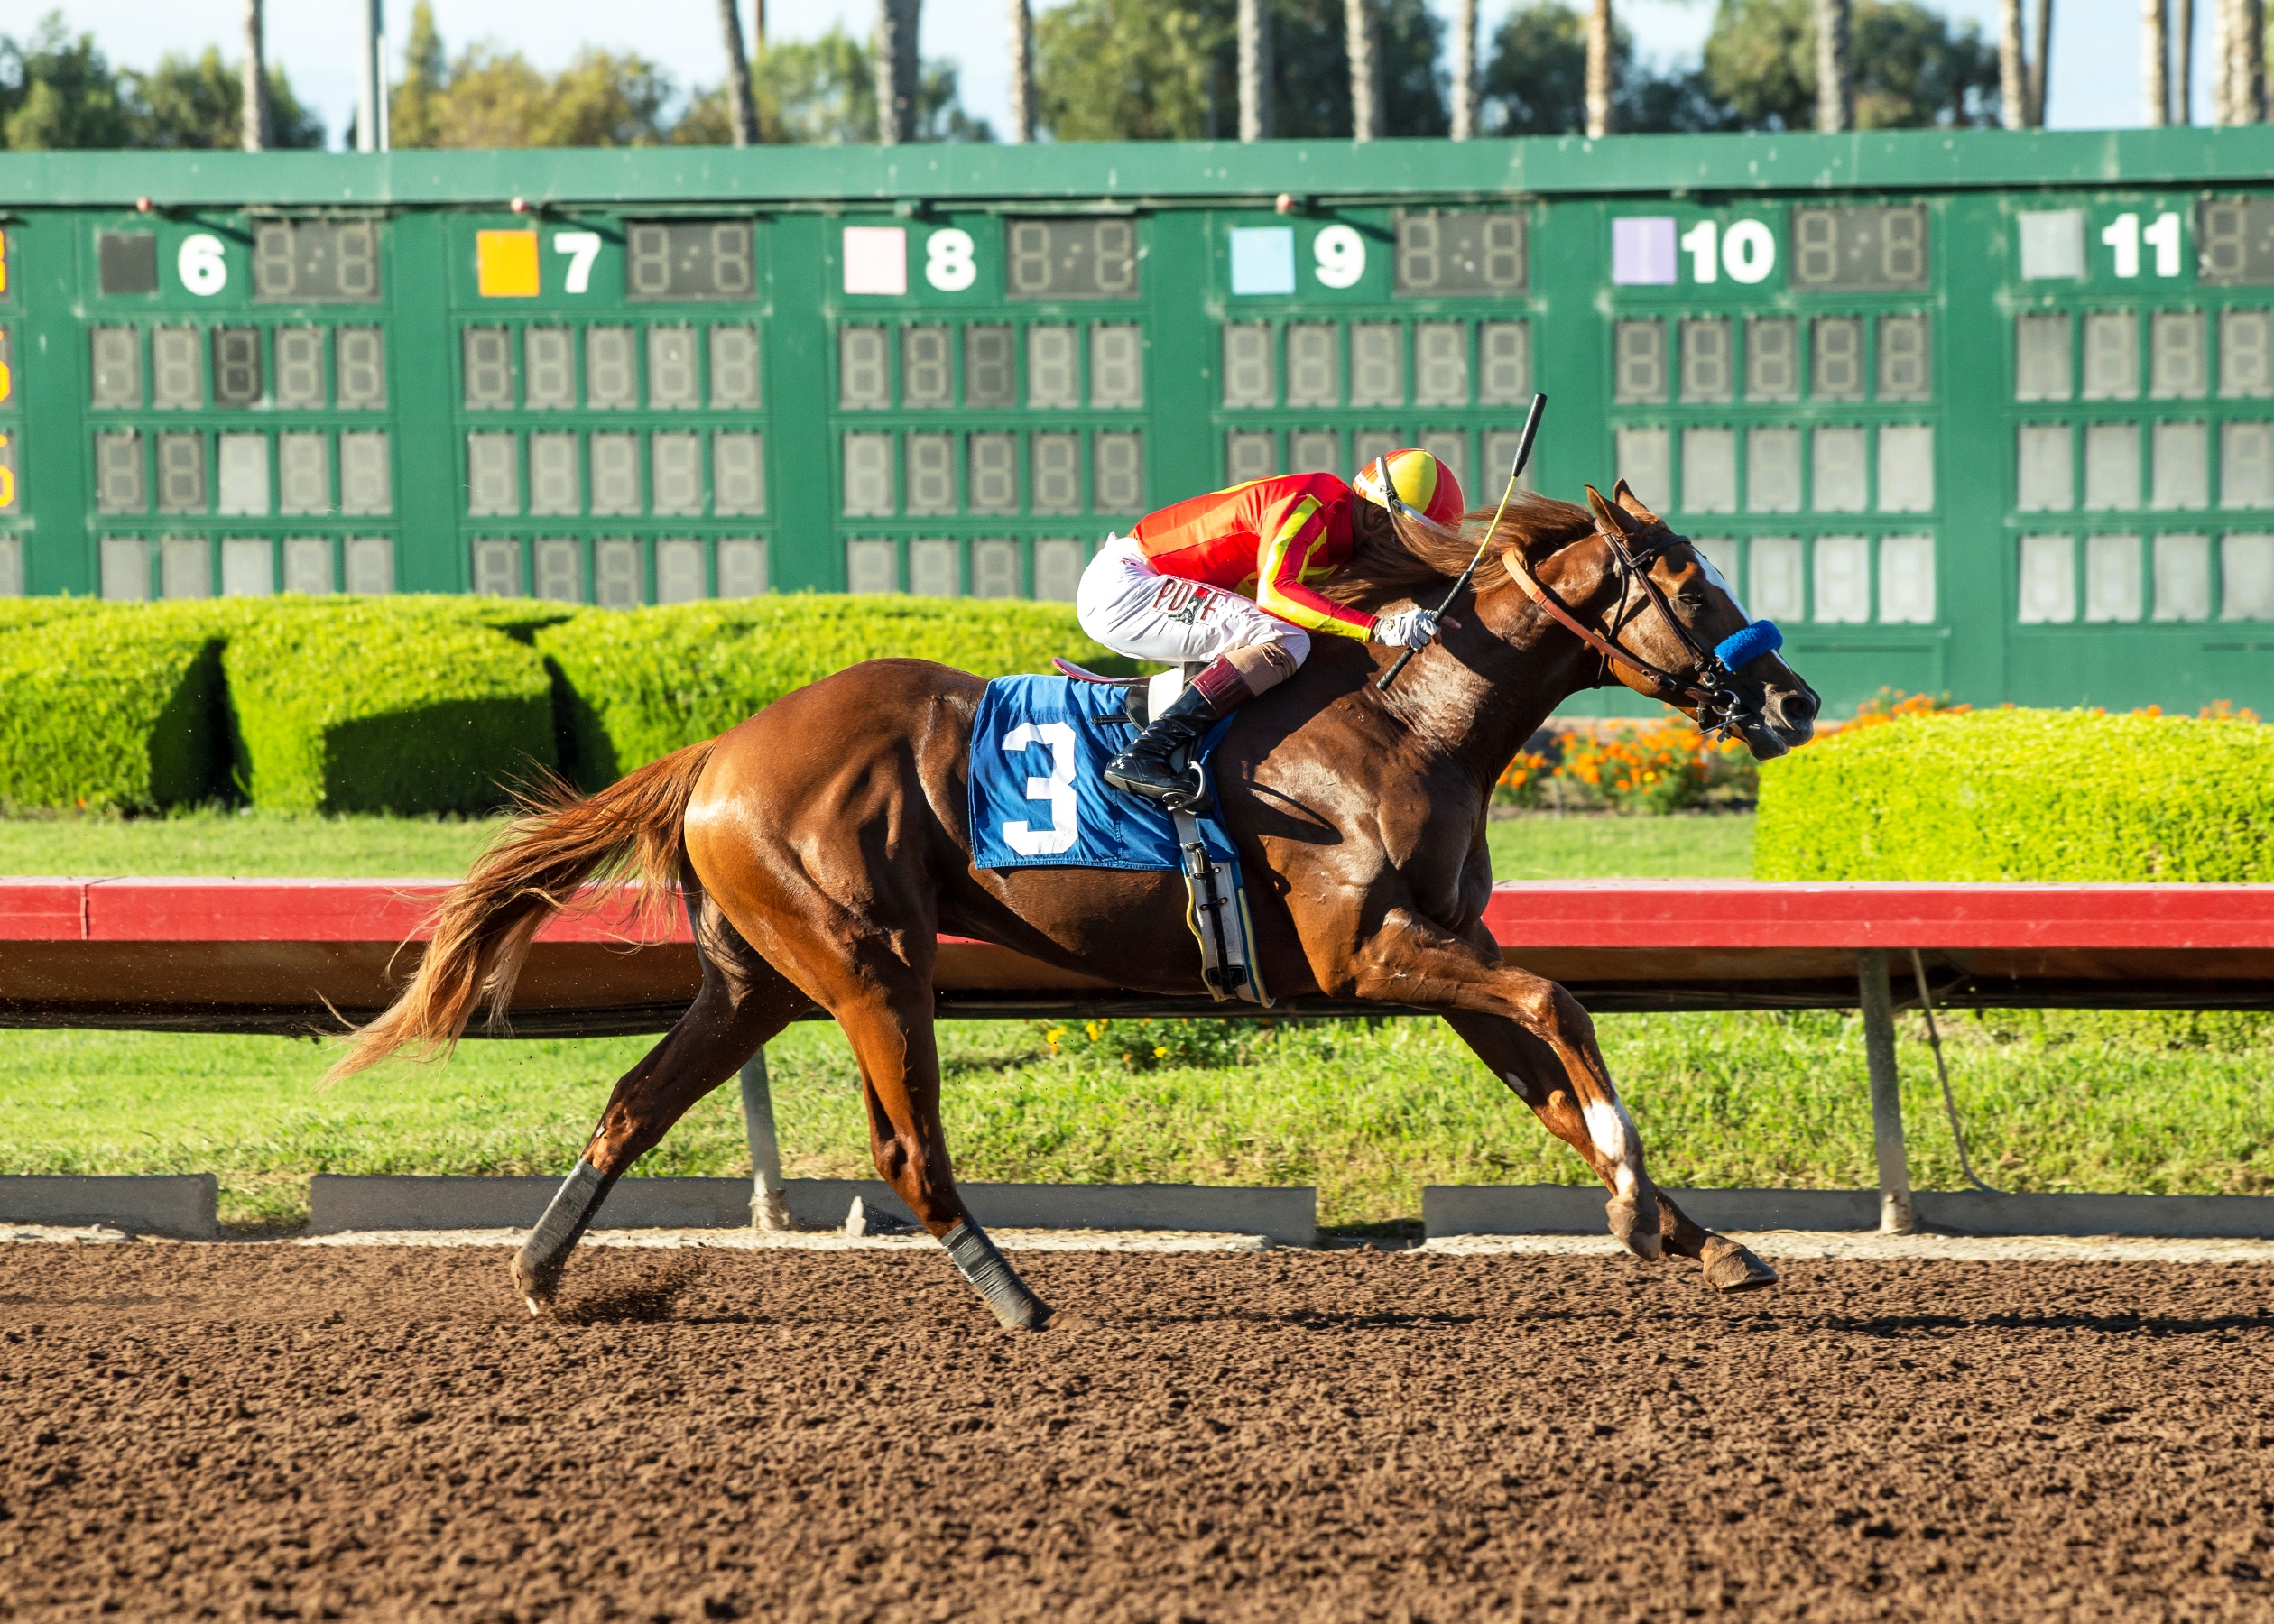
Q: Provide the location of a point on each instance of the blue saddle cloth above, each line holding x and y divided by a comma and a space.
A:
1039, 793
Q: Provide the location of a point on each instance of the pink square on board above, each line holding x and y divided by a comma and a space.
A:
876, 259
1641, 250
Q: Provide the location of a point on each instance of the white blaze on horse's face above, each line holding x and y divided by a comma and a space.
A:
1720, 580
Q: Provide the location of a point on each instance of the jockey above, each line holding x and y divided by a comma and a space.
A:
1231, 579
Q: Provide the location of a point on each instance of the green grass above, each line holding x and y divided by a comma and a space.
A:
1531, 846
215, 842
1369, 1111
1601, 845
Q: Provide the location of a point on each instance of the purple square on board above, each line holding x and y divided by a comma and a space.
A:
1642, 251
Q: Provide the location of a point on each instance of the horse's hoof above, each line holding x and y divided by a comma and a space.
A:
536, 1287
1730, 1267
1627, 1224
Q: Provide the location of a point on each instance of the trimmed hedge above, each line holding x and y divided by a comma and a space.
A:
112, 711
2023, 795
636, 685
404, 706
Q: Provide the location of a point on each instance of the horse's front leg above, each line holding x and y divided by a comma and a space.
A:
1530, 1067
887, 1015
1538, 1040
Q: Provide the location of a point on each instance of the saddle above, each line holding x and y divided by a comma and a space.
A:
1216, 904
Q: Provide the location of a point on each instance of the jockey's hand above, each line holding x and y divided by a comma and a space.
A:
1406, 629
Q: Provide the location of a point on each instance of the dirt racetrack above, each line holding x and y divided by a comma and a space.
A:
284, 1432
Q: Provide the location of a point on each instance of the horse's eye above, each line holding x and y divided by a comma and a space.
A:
1690, 600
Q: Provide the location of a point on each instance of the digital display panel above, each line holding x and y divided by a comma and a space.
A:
300, 367
116, 353
671, 385
363, 369
1072, 259
237, 367
177, 369
688, 261
1859, 250
988, 366
489, 369
611, 381
126, 262
734, 368
316, 261
549, 369
2235, 239
1460, 256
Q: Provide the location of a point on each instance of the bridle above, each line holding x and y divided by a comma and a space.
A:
1711, 691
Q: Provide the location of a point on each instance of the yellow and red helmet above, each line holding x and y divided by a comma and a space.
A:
1424, 485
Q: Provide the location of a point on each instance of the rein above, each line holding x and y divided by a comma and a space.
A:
1719, 707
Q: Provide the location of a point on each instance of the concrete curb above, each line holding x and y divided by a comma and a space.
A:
174, 1204
1577, 1209
340, 1204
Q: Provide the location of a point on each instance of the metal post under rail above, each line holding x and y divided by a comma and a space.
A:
1878, 1001
769, 1205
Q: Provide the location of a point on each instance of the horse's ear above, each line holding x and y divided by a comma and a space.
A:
1606, 516
1628, 499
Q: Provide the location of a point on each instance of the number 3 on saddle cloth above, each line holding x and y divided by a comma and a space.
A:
1039, 799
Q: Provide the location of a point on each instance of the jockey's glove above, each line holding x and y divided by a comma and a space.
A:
1406, 629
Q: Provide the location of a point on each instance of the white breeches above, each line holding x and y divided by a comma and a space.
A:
1134, 610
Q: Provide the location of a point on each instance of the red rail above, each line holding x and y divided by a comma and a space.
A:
1572, 913
273, 954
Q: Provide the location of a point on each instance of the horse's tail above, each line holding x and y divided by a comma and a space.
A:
482, 931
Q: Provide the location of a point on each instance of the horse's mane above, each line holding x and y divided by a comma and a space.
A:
1415, 557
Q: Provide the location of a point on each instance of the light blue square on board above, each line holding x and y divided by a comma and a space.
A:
1263, 259
1642, 251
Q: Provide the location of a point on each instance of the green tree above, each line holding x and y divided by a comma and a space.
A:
1310, 69
57, 92
823, 92
1162, 70
415, 106
1536, 81
1133, 70
1913, 67
200, 103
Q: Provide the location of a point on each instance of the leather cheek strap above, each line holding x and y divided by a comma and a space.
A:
1663, 682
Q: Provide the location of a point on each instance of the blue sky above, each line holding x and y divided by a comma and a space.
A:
2096, 78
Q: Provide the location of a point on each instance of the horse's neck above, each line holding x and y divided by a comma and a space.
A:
1482, 694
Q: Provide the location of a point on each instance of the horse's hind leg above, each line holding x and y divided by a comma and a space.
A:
1531, 1067
744, 1002
889, 1021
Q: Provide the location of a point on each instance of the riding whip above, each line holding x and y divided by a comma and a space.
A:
1398, 506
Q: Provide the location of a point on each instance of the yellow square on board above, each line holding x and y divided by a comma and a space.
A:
505, 263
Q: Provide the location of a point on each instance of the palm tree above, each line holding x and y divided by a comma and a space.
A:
1835, 90
896, 22
2038, 63
1464, 72
1361, 39
1255, 70
2155, 62
2014, 66
742, 108
255, 72
2183, 64
1021, 73
1599, 68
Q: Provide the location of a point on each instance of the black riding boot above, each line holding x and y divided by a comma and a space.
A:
1143, 767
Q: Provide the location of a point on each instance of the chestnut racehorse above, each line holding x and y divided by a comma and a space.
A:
821, 849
